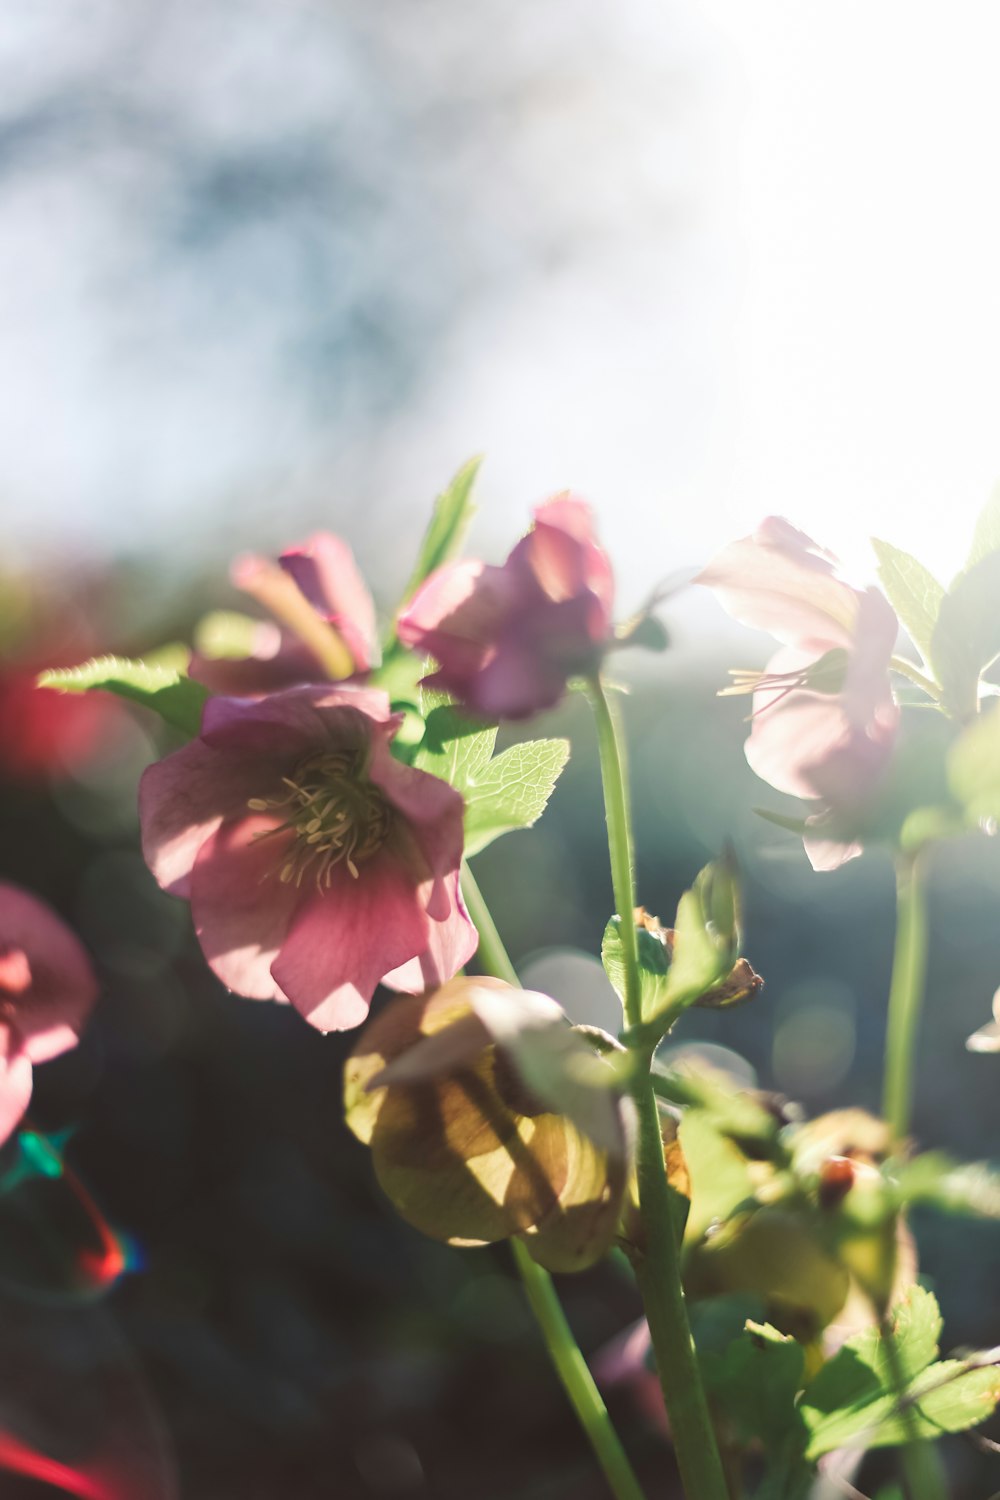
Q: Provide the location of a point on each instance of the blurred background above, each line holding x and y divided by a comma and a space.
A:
286, 264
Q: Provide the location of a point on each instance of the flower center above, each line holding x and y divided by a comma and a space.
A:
337, 815
825, 675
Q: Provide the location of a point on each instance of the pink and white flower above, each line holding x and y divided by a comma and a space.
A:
506, 639
824, 718
47, 989
317, 865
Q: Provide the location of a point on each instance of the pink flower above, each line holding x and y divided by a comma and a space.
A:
824, 718
47, 988
506, 639
311, 587
317, 865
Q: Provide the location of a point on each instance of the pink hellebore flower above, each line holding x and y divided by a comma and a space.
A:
317, 866
47, 988
506, 639
824, 718
311, 586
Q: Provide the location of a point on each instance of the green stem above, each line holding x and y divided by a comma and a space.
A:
658, 1263
922, 1472
907, 669
909, 965
570, 1365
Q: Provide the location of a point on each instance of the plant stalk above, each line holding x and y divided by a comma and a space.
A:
909, 965
564, 1352
658, 1263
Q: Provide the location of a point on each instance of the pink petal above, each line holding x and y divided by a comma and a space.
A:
342, 942
241, 910
15, 1092
49, 1014
565, 555
183, 799
326, 573
778, 580
456, 613
451, 942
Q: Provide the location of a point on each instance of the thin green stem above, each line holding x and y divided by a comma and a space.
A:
570, 1365
657, 1262
908, 669
922, 1472
906, 990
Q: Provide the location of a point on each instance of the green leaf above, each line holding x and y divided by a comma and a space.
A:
511, 791
913, 592
966, 638
852, 1401
986, 537
443, 538
756, 1383
936, 1181
720, 1174
654, 965
974, 767
159, 685
783, 820
704, 946
454, 748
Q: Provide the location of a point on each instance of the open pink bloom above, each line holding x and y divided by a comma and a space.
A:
312, 584
47, 988
506, 639
317, 866
824, 718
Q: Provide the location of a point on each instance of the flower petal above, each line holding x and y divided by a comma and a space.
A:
241, 909
780, 581
343, 940
452, 939
15, 1092
48, 1015
325, 572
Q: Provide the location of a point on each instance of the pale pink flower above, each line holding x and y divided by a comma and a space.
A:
317, 865
47, 989
506, 639
824, 718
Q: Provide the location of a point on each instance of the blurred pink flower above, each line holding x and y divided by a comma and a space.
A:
824, 718
317, 865
47, 988
311, 586
506, 639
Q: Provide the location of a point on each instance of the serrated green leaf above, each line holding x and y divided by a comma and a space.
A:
966, 638
913, 592
852, 1400
453, 510
654, 965
511, 791
986, 537
755, 1383
974, 767
158, 685
947, 1397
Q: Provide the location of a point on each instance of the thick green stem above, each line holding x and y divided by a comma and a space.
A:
658, 1262
543, 1299
905, 995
